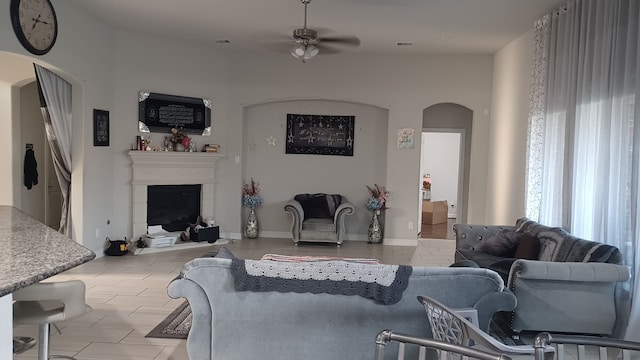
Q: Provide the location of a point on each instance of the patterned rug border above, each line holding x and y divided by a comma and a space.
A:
175, 326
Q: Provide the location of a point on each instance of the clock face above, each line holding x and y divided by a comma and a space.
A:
35, 24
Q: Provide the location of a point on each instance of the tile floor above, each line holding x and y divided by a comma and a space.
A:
438, 231
128, 294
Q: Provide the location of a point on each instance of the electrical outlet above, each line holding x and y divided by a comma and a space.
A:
410, 225
98, 233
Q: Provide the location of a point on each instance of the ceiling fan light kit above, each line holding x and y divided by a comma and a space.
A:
308, 45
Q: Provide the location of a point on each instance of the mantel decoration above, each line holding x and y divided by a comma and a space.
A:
251, 198
377, 201
178, 141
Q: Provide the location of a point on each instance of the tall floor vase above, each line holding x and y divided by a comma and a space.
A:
251, 227
375, 229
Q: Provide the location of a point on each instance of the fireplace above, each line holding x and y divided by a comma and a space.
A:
152, 168
173, 207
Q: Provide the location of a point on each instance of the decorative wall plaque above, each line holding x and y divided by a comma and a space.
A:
161, 112
320, 134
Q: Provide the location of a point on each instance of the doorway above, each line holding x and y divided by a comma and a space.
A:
448, 129
440, 167
43, 200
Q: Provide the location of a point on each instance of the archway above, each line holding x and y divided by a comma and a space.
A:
283, 175
17, 72
454, 118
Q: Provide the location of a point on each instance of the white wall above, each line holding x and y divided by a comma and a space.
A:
441, 159
7, 110
403, 84
83, 55
282, 176
509, 119
152, 64
107, 68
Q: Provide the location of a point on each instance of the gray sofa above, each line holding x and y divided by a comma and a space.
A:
230, 324
566, 284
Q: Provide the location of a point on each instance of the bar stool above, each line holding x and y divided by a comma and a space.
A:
44, 303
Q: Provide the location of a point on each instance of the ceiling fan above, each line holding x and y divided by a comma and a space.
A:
307, 43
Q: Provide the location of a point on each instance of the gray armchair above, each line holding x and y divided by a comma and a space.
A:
318, 217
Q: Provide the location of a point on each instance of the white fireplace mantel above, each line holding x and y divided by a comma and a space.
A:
170, 168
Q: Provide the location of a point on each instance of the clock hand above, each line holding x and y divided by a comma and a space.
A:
35, 22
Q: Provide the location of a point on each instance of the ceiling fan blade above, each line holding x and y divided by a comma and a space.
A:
346, 40
329, 49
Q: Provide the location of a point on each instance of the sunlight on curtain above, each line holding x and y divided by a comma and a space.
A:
584, 133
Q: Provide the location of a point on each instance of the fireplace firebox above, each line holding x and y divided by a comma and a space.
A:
173, 206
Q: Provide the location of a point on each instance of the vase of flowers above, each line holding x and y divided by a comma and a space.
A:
178, 140
251, 198
376, 202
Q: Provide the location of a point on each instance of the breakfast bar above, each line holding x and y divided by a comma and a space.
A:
29, 252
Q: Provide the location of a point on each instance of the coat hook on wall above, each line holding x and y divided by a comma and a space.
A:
29, 147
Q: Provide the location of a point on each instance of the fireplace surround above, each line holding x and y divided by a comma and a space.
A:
170, 168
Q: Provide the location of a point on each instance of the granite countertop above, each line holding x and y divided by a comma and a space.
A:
31, 251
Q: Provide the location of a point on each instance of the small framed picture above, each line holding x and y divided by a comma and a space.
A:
405, 138
100, 127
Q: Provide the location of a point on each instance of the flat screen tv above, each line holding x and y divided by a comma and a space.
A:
161, 112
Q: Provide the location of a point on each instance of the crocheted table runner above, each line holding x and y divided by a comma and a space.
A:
382, 283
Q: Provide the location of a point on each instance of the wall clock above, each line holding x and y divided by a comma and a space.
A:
35, 24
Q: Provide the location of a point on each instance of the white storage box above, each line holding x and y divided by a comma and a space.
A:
160, 241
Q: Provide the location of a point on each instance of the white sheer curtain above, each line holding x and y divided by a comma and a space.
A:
583, 163
57, 120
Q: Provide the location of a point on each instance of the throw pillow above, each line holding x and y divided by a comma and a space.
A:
528, 248
318, 205
503, 243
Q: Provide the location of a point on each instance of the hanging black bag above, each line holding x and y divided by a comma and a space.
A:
116, 247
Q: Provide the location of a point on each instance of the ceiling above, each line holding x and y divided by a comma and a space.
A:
433, 26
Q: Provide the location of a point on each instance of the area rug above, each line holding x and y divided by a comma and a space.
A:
176, 325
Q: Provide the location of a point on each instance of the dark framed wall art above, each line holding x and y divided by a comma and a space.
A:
320, 134
100, 127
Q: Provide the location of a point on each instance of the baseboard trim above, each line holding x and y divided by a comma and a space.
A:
177, 246
348, 237
400, 242
232, 236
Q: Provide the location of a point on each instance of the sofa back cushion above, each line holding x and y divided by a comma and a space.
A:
319, 205
556, 244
